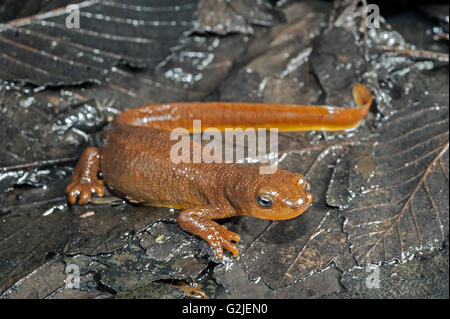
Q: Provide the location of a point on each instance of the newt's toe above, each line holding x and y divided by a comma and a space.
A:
223, 240
83, 191
72, 194
84, 197
100, 190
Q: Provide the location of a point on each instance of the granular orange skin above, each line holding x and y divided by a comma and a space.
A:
136, 164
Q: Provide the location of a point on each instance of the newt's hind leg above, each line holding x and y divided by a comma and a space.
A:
85, 181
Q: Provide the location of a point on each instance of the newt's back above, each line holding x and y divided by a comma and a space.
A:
135, 162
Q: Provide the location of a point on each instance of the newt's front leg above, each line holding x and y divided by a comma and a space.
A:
198, 221
85, 181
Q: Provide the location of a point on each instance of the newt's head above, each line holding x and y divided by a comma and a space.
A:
282, 195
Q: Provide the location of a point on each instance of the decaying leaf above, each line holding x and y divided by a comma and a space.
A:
393, 191
43, 50
49, 281
223, 17
280, 70
388, 178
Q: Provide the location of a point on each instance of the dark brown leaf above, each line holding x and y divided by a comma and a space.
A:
395, 198
223, 17
43, 51
134, 251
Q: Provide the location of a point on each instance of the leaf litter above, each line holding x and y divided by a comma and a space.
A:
132, 250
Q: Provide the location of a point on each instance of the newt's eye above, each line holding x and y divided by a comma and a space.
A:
265, 201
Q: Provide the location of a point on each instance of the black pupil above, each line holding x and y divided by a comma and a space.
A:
265, 201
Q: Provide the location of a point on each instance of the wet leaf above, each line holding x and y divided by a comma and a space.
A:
27, 237
162, 251
9, 9
108, 229
223, 17
393, 190
49, 281
43, 51
423, 278
347, 61
40, 142
130, 251
236, 284
279, 71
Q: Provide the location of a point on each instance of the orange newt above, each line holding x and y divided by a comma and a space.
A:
135, 163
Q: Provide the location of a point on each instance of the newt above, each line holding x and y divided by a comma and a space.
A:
135, 164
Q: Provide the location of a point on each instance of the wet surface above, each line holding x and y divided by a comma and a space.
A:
224, 17
110, 32
393, 205
380, 191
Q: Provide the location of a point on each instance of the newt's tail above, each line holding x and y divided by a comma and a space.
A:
363, 98
222, 115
